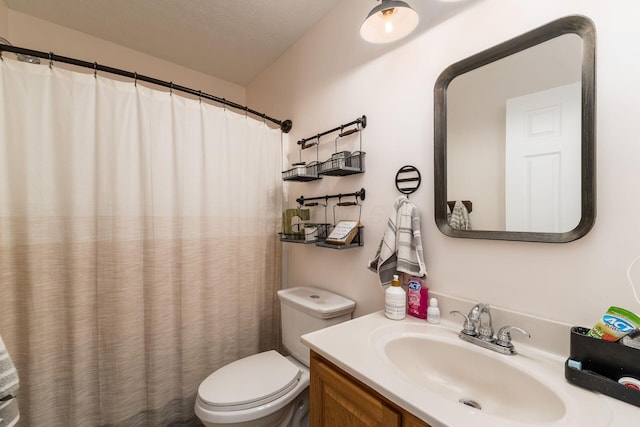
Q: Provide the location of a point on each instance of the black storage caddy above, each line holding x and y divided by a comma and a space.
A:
603, 364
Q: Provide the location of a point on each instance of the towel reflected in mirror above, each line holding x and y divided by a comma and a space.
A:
458, 217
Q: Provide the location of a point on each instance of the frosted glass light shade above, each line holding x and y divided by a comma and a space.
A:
389, 21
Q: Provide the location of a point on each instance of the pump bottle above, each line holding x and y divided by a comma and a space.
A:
395, 300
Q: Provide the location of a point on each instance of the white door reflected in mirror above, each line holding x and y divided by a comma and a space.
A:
542, 160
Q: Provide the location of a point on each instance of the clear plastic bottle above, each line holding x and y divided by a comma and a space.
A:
433, 312
395, 300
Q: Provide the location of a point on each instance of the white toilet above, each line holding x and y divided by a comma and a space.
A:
268, 389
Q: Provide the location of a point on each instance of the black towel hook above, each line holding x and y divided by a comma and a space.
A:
411, 179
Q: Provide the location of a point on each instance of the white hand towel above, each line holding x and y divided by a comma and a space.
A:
401, 245
9, 383
9, 413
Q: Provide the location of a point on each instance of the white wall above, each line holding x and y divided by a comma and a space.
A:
33, 33
4, 19
330, 76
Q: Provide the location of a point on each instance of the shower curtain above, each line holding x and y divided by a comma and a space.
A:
138, 245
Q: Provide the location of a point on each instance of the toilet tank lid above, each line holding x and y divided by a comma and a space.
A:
316, 302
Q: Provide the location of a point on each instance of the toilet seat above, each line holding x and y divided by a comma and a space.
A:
249, 382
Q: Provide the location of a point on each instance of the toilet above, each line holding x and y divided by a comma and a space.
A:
269, 389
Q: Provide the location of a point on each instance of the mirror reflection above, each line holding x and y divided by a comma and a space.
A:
514, 138
513, 144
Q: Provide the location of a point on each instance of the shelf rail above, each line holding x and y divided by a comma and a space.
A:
361, 122
358, 195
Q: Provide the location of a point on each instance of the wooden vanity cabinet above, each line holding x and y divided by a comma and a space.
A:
339, 400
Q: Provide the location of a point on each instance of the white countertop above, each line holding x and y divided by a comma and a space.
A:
352, 346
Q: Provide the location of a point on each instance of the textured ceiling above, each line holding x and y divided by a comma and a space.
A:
230, 39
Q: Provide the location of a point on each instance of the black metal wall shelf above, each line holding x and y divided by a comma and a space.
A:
317, 233
307, 233
341, 163
302, 172
358, 240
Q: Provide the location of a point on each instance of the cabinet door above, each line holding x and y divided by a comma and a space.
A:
409, 420
338, 401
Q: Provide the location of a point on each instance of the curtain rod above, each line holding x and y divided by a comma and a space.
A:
285, 125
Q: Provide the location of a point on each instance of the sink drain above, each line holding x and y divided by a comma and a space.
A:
470, 402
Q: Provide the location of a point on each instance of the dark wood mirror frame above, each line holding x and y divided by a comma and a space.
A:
574, 24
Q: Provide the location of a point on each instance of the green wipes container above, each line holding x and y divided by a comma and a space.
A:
615, 323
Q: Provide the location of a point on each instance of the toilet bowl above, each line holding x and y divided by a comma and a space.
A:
268, 389
265, 389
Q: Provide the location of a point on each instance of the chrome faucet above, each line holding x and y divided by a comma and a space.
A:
485, 329
478, 329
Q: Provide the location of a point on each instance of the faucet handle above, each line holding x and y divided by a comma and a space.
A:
504, 335
474, 313
468, 327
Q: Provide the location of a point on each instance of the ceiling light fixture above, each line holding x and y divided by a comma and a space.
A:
389, 21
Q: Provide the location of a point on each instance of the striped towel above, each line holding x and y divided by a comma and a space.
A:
459, 218
9, 413
401, 246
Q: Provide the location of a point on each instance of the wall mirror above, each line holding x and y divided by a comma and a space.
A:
515, 137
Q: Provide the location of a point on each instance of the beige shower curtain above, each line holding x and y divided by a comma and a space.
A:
138, 245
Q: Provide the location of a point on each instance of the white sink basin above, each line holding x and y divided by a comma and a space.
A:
512, 390
475, 378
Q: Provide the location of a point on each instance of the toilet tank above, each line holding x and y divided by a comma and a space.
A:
304, 310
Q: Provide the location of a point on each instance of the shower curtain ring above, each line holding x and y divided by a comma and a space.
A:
170, 88
224, 104
264, 118
200, 96
135, 79
95, 70
246, 111
50, 59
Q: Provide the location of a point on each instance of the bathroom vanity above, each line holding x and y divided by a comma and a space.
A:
338, 399
410, 373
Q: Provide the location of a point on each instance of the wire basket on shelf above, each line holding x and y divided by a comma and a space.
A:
344, 234
307, 233
303, 171
343, 163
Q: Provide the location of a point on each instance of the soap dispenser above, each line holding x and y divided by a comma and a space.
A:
395, 300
